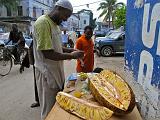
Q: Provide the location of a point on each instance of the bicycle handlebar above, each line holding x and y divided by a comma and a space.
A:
13, 45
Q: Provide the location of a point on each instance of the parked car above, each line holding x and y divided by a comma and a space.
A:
112, 43
100, 33
1, 30
28, 39
4, 38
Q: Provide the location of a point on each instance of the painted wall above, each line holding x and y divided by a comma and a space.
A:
142, 52
27, 6
83, 17
73, 23
41, 5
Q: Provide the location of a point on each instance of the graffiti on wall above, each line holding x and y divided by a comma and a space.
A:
143, 42
139, 3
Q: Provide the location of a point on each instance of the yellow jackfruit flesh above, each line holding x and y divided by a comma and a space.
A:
111, 91
82, 108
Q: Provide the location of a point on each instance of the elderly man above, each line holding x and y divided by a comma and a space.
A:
49, 54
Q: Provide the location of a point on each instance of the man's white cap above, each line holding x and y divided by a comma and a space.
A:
65, 4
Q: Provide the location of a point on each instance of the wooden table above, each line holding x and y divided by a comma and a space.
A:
57, 113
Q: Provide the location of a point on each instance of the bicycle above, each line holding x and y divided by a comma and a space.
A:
7, 58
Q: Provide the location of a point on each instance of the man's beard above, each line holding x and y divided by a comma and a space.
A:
57, 20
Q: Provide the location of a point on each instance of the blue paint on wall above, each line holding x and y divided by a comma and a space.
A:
134, 44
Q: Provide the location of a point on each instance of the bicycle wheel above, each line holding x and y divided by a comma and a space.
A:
5, 63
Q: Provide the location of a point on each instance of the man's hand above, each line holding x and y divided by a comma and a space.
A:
82, 63
51, 54
67, 50
76, 49
77, 54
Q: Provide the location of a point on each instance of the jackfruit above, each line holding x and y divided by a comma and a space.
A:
83, 76
81, 108
111, 91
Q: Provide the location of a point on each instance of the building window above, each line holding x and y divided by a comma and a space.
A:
84, 21
34, 12
54, 1
8, 11
48, 2
42, 12
20, 11
28, 11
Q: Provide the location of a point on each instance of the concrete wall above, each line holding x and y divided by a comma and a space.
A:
73, 23
142, 54
24, 3
83, 17
27, 6
40, 6
3, 11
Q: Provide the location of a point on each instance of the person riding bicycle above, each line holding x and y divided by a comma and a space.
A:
18, 40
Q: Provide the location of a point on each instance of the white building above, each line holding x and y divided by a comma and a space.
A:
28, 11
84, 20
78, 21
37, 8
73, 22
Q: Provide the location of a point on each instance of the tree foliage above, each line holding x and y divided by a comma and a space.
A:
12, 4
120, 17
108, 8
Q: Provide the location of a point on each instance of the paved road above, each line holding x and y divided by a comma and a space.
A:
17, 91
113, 63
17, 94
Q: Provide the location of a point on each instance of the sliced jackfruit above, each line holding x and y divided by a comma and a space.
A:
81, 108
111, 91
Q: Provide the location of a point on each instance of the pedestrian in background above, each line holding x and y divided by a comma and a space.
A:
49, 54
16, 38
65, 38
21, 49
85, 43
